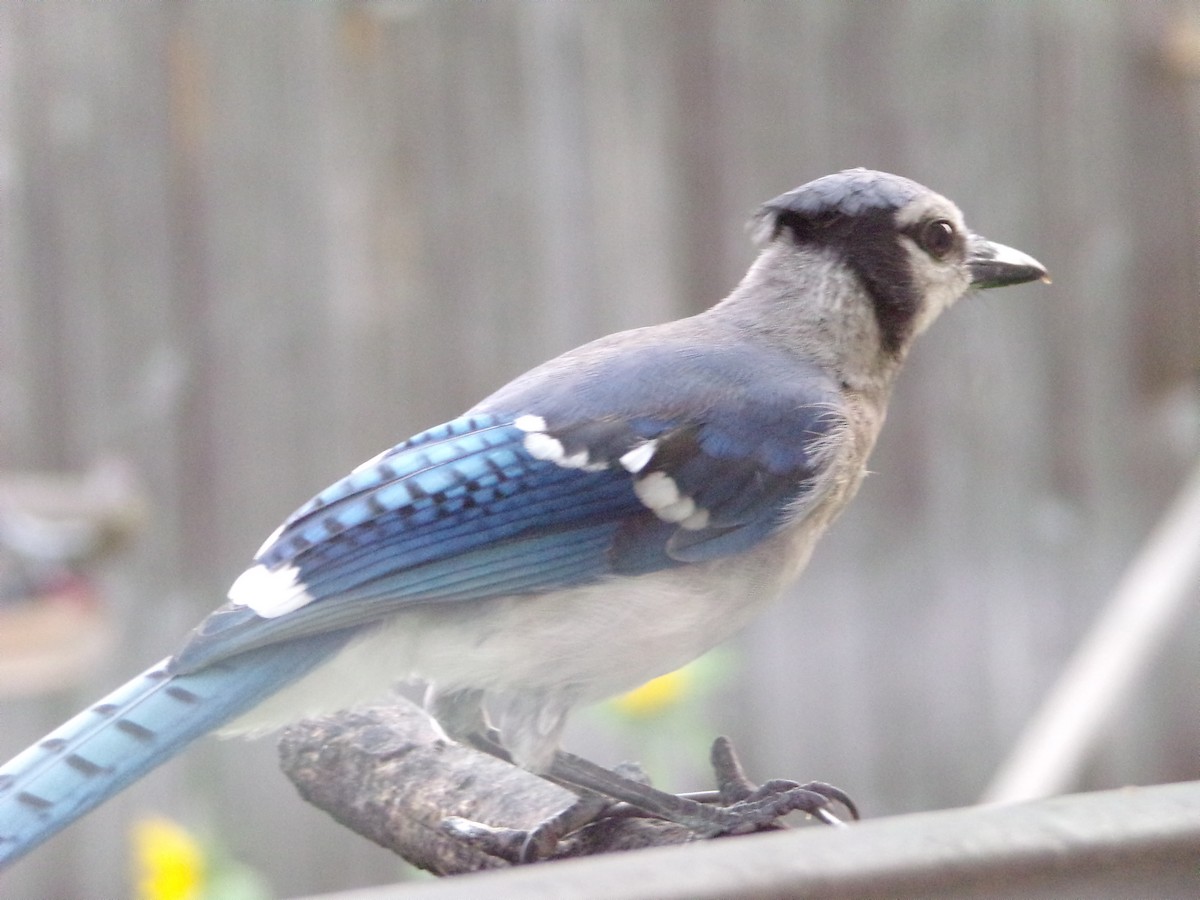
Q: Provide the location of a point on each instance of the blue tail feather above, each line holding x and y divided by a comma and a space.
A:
134, 729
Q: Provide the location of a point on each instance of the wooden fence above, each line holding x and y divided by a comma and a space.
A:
246, 246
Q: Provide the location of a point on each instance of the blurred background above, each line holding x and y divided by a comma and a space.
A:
244, 247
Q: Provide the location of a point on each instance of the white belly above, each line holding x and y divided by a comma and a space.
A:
582, 644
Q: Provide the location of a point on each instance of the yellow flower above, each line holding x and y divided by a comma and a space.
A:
169, 861
655, 696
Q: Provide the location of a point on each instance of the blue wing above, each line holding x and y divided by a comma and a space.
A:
548, 484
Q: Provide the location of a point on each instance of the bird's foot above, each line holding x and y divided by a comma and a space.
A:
738, 806
751, 803
519, 846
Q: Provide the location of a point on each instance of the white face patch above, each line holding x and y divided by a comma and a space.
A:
927, 207
269, 593
940, 284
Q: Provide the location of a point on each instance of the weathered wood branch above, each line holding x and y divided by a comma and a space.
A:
386, 773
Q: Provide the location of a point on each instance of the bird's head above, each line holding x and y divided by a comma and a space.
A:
871, 259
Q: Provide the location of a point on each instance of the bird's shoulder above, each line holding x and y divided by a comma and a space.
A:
723, 430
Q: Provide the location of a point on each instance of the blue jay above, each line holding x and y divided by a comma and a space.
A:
602, 519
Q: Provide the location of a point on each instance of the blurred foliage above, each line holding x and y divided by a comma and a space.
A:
668, 719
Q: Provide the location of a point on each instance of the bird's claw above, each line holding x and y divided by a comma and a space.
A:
755, 802
508, 844
763, 807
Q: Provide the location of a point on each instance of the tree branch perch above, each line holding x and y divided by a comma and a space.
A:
386, 773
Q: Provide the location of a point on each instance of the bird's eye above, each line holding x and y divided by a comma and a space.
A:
937, 238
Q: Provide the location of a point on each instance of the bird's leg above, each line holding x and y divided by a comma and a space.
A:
737, 806
461, 715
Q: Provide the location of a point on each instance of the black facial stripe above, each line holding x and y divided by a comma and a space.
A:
868, 244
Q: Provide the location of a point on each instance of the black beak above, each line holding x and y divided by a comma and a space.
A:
995, 265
